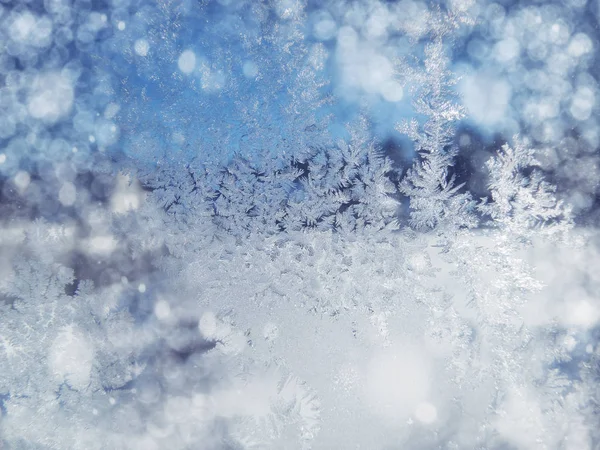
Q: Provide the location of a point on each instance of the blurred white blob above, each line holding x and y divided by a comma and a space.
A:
141, 47
26, 28
22, 180
486, 98
570, 343
67, 194
426, 413
392, 91
250, 69
582, 103
464, 140
2, 158
580, 45
187, 61
582, 312
397, 382
71, 358
22, 26
324, 27
362, 67
520, 419
162, 310
376, 25
347, 39
141, 288
507, 50
51, 97
208, 325
106, 132
102, 245
589, 348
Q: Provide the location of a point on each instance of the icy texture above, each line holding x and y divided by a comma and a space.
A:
281, 224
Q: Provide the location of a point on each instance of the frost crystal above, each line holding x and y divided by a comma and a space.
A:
292, 224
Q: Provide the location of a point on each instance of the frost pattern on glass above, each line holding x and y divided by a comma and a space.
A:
291, 224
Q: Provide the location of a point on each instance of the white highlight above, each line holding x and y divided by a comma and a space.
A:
22, 180
102, 245
582, 103
22, 27
580, 45
397, 381
250, 69
71, 358
392, 91
51, 97
208, 325
507, 50
162, 310
486, 98
589, 348
325, 27
426, 413
582, 313
187, 62
67, 194
141, 47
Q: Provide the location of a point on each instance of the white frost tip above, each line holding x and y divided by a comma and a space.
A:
2, 158
141, 47
187, 61
121, 25
162, 310
426, 413
142, 288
